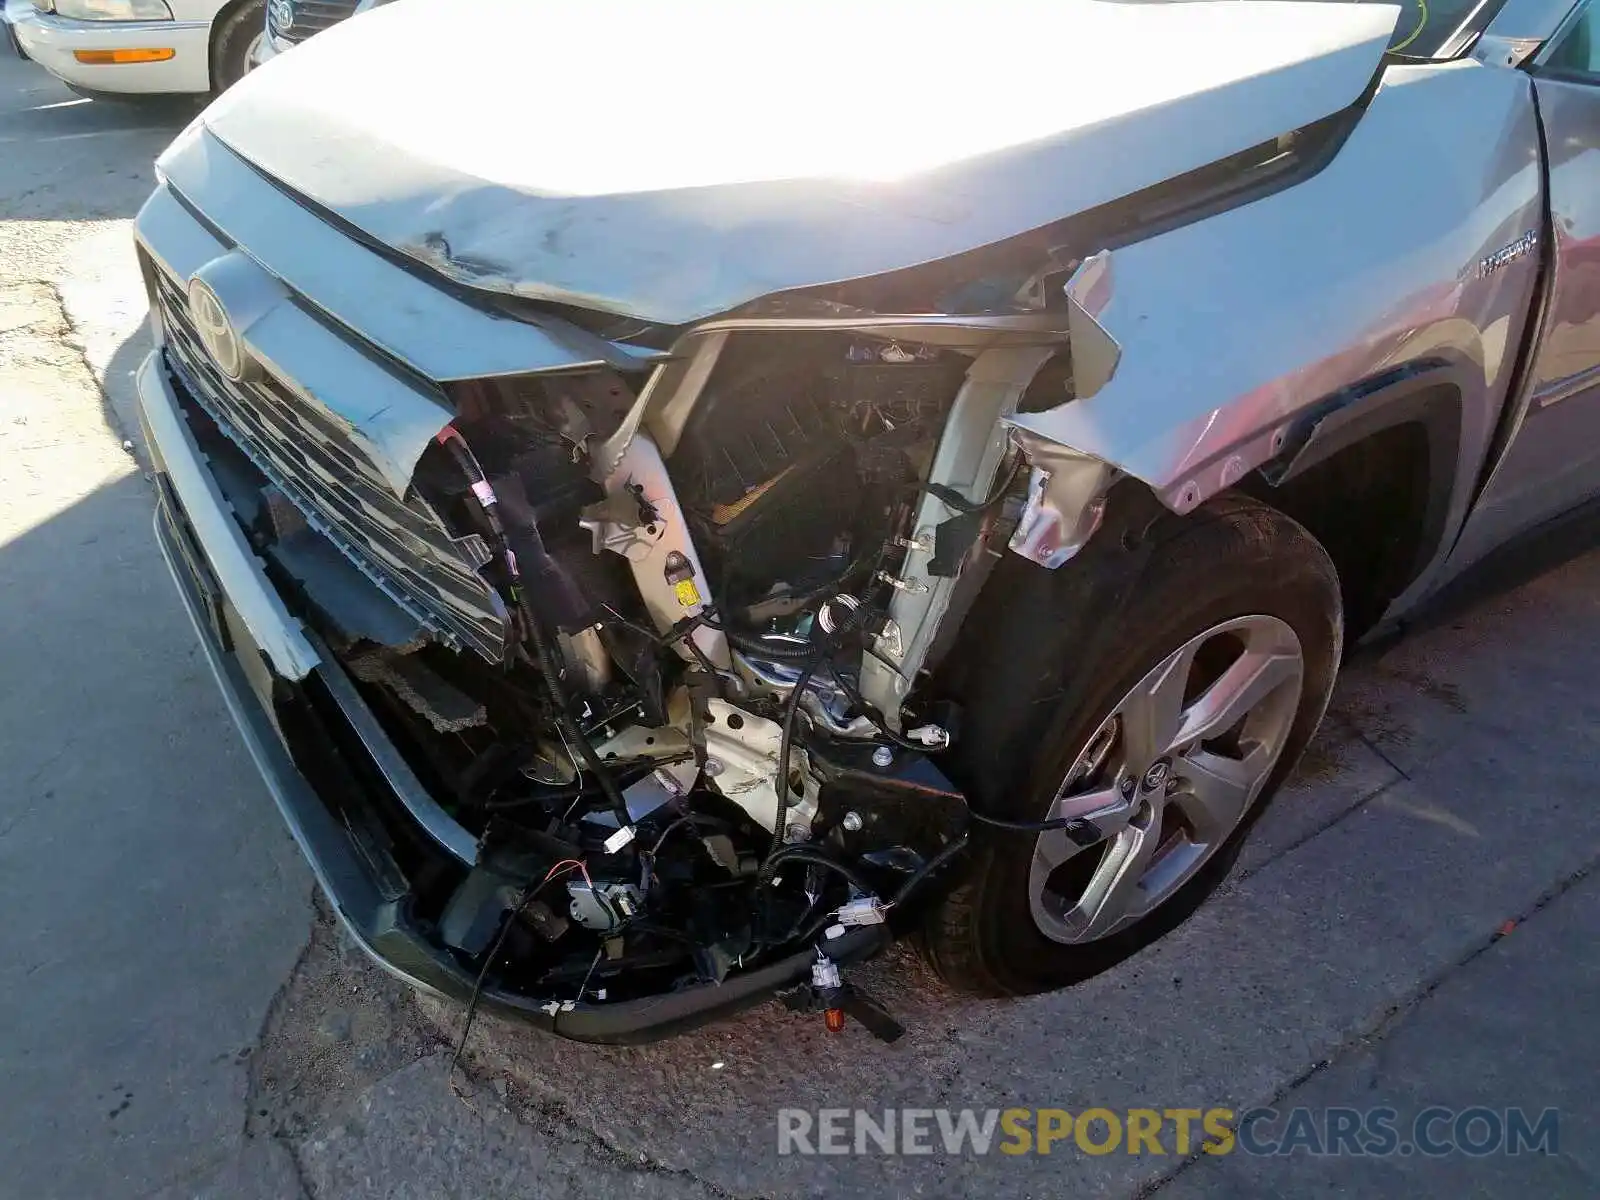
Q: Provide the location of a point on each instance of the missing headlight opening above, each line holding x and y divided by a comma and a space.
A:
679, 706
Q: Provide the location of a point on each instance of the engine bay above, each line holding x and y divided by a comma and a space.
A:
671, 773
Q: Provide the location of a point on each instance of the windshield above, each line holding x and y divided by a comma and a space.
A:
1427, 28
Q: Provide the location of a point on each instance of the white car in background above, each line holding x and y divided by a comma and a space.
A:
139, 47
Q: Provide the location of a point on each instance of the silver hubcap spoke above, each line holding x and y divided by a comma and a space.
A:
1105, 808
1216, 791
1153, 712
1113, 895
1092, 804
1168, 777
1255, 675
1052, 849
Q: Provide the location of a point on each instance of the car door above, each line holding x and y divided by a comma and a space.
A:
1553, 462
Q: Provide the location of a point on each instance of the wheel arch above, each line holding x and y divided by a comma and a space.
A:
1376, 472
218, 22
1373, 473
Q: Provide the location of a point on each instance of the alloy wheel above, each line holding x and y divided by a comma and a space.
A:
1166, 778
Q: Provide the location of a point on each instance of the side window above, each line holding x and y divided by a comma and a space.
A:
1577, 49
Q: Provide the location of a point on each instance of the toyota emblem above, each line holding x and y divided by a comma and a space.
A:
215, 330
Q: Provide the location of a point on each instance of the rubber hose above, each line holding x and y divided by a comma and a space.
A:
765, 649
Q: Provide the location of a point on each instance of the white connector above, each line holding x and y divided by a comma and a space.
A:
825, 974
863, 910
619, 839
934, 737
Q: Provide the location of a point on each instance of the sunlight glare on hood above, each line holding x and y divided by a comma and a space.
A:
873, 93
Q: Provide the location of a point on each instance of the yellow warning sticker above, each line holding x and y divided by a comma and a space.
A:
688, 595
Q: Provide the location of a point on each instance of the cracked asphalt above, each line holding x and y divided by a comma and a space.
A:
1413, 924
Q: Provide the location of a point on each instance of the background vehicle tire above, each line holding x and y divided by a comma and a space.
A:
232, 37
1234, 603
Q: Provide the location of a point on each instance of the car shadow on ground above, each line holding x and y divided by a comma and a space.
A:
119, 402
156, 900
1537, 552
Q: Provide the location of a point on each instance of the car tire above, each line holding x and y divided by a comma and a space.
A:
1054, 672
232, 38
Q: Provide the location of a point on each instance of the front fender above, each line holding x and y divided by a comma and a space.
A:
1236, 329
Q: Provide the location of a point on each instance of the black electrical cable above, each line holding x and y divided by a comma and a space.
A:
559, 793
528, 893
677, 633
853, 694
791, 706
483, 972
771, 650
921, 874
483, 493
564, 717
807, 853
700, 657
1037, 826
792, 601
810, 931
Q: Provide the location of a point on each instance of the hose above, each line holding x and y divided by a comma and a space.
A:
765, 649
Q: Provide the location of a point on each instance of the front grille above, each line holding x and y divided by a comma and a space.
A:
296, 20
401, 545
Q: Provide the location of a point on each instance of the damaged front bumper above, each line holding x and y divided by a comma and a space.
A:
303, 725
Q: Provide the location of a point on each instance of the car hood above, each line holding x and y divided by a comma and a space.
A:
671, 161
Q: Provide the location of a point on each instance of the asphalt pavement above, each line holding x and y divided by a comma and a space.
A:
1411, 930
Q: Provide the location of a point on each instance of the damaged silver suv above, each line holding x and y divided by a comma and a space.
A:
671, 513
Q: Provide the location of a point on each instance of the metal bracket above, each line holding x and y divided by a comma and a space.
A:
745, 747
1066, 500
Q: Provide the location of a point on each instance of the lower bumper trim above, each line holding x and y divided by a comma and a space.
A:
13, 41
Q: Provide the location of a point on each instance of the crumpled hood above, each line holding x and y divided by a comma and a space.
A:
672, 160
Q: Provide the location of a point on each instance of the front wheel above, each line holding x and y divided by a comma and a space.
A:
1163, 728
233, 42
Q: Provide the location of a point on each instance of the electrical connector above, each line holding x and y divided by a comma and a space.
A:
619, 839
934, 737
825, 974
863, 910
